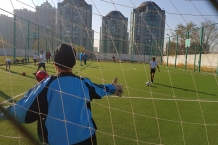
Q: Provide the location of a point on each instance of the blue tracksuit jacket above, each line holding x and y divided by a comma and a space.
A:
61, 105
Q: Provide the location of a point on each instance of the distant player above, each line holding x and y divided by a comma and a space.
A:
61, 104
48, 56
113, 58
81, 59
41, 61
35, 58
85, 58
153, 64
8, 64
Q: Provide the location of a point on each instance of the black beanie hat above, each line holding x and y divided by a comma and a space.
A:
65, 56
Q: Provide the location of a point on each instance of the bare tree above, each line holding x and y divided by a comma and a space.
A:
181, 31
210, 36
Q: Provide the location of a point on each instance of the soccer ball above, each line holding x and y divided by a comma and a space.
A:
148, 83
40, 75
23, 73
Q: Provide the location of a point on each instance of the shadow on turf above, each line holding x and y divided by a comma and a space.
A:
186, 89
5, 96
94, 67
153, 86
13, 72
87, 66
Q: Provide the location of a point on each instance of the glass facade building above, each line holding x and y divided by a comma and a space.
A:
113, 33
147, 27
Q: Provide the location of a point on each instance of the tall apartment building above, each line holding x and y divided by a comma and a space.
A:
113, 33
147, 27
74, 21
22, 26
46, 16
6, 31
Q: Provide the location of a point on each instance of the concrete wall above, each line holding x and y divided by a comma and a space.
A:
99, 56
124, 57
207, 60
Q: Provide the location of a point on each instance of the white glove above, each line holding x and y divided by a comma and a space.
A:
119, 88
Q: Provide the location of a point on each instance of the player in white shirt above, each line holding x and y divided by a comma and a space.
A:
41, 61
153, 64
8, 64
35, 58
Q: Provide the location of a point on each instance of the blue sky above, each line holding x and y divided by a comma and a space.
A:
194, 7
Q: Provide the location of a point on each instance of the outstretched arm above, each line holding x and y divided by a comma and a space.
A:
98, 91
158, 68
27, 109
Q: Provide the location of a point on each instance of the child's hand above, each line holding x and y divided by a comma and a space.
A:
119, 88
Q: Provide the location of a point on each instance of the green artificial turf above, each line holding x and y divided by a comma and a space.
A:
179, 107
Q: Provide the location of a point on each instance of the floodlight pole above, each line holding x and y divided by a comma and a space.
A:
186, 54
201, 42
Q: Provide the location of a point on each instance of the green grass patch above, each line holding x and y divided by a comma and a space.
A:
144, 115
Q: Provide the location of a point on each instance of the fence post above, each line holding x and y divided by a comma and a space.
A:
46, 47
52, 41
201, 42
156, 46
176, 50
149, 52
57, 40
161, 52
186, 53
168, 50
38, 40
28, 40
217, 67
105, 49
195, 59
14, 37
144, 54
132, 50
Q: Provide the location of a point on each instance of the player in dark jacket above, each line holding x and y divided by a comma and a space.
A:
61, 103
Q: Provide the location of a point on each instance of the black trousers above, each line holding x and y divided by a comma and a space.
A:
85, 61
90, 141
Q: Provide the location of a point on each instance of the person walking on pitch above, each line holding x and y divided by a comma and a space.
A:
41, 62
85, 58
81, 59
35, 58
153, 64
